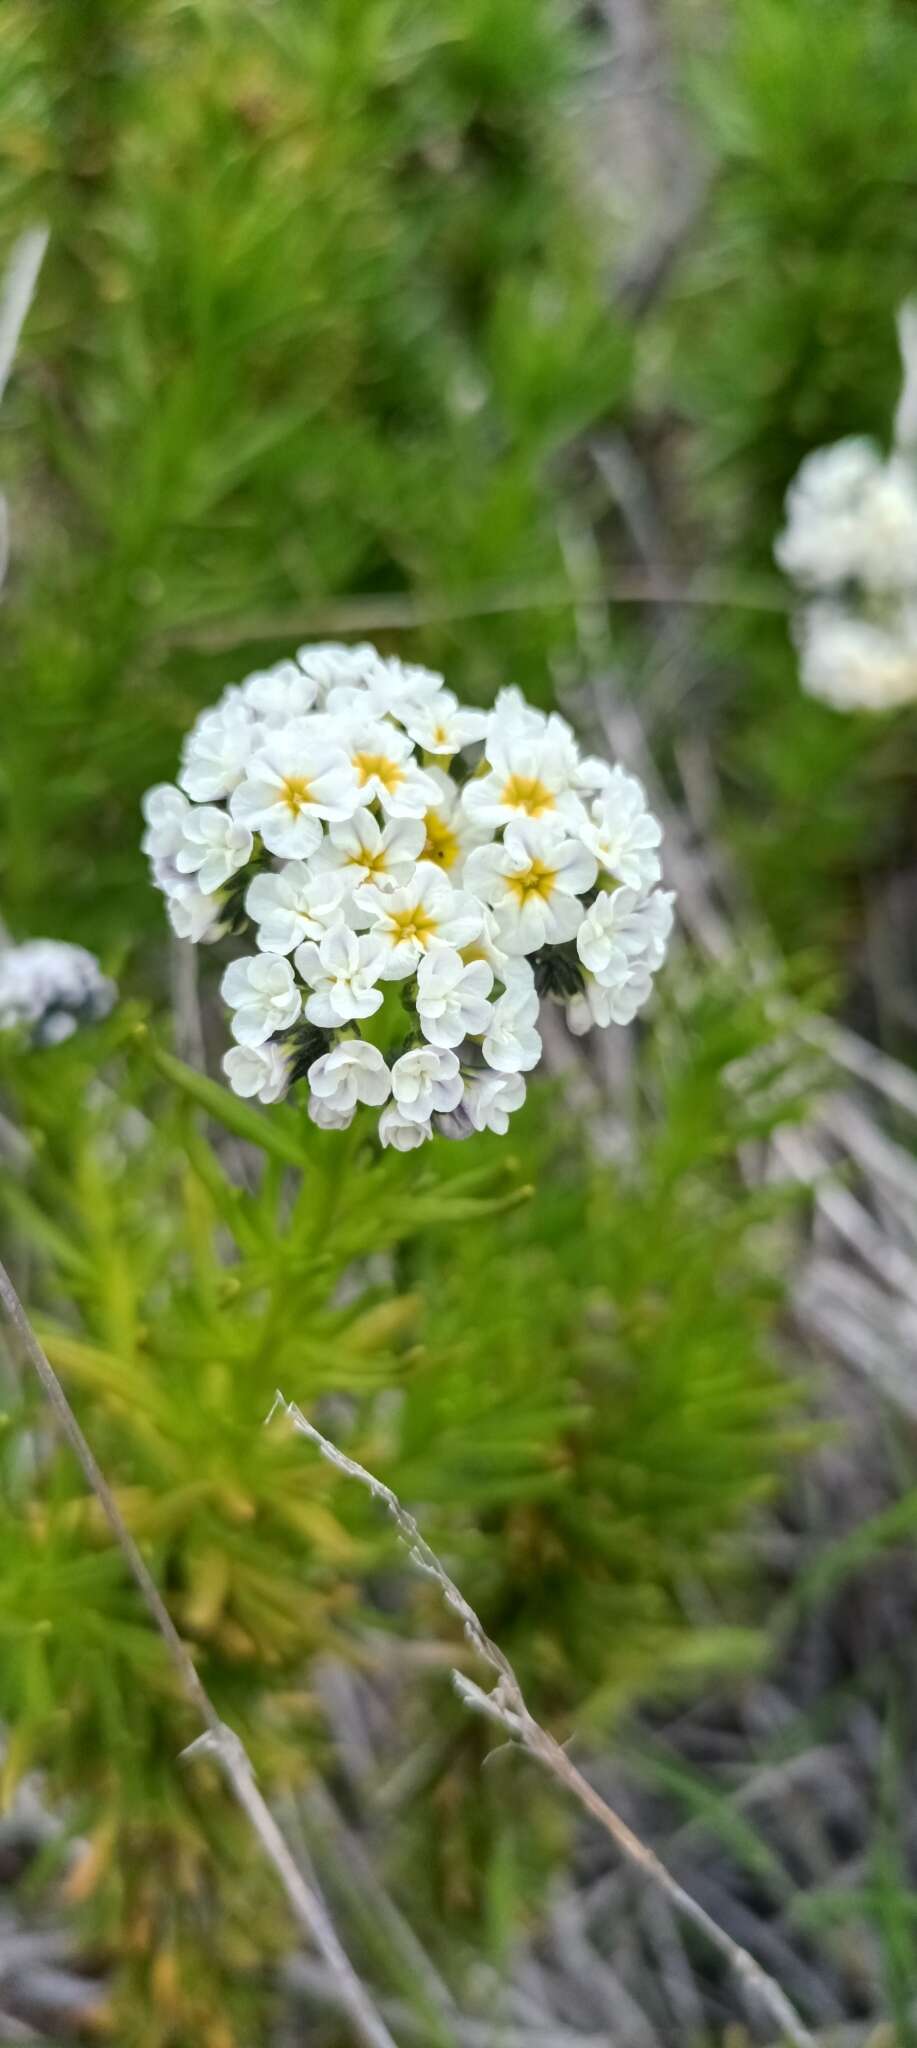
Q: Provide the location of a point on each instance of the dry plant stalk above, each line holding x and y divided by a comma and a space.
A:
505, 1704
217, 1740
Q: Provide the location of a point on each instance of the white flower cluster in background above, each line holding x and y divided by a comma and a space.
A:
412, 877
850, 545
49, 988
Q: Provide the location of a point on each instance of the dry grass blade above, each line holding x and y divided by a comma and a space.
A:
505, 1704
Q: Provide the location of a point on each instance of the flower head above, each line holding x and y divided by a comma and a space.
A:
329, 815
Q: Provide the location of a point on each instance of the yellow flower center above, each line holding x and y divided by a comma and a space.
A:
297, 793
371, 864
414, 923
442, 844
536, 880
527, 793
388, 772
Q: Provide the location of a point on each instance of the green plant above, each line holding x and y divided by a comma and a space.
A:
566, 1384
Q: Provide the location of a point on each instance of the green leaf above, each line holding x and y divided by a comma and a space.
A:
271, 1133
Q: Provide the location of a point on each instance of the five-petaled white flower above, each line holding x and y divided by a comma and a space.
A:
386, 771
261, 990
213, 846
353, 1071
408, 921
292, 905
452, 996
426, 1079
261, 1070
363, 851
491, 1098
296, 780
444, 726
622, 832
342, 971
624, 927
512, 1044
191, 914
533, 880
528, 777
280, 693
217, 752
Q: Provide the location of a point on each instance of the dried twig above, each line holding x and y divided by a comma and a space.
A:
505, 1704
218, 1740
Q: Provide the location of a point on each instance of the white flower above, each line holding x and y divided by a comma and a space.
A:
51, 987
403, 1132
511, 708
452, 996
326, 1118
854, 664
292, 905
363, 851
213, 846
851, 515
623, 928
399, 687
342, 971
408, 921
491, 1098
530, 776
450, 833
191, 914
533, 881
261, 990
622, 832
261, 1070
352, 1072
280, 693
512, 1044
217, 751
612, 1002
330, 664
165, 810
386, 772
426, 1079
443, 726
294, 781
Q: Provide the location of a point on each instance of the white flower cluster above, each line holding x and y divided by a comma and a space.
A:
850, 544
409, 904
49, 988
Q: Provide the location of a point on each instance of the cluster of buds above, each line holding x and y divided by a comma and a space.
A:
850, 546
412, 876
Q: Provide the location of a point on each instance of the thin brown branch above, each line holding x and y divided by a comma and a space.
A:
505, 1704
218, 1740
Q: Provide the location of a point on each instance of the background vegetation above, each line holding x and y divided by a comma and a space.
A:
360, 318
